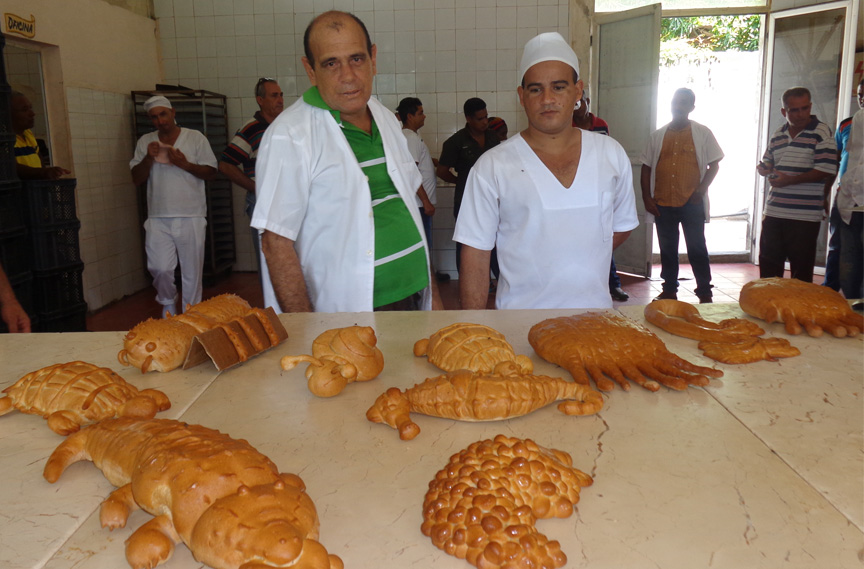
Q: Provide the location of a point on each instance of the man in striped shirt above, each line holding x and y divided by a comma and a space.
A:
801, 155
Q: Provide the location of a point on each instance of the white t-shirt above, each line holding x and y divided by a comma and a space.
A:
420, 152
554, 243
172, 191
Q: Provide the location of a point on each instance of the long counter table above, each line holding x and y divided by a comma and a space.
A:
762, 469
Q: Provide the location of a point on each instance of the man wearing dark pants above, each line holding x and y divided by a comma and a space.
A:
678, 165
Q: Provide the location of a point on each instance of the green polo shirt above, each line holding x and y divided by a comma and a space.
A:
400, 259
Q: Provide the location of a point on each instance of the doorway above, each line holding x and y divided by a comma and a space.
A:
24, 74
720, 59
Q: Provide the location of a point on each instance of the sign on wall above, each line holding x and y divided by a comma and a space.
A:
20, 26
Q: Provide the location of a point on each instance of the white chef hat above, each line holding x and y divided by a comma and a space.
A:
549, 46
157, 101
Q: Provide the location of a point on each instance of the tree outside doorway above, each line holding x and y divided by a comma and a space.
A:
718, 57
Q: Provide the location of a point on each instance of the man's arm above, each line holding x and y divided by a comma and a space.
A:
474, 278
782, 180
645, 182
10, 309
237, 176
202, 171
49, 173
428, 207
285, 273
702, 189
619, 237
443, 172
141, 170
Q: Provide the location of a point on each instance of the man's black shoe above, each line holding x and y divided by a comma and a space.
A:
706, 300
667, 296
442, 277
618, 294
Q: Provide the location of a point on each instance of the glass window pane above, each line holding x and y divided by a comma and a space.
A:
621, 5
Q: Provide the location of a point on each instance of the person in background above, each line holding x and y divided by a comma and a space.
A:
461, 151
586, 120
336, 187
554, 243
174, 162
410, 111
679, 163
841, 138
850, 200
28, 162
499, 127
238, 159
13, 314
800, 157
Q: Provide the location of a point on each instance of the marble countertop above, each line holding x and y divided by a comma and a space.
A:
764, 468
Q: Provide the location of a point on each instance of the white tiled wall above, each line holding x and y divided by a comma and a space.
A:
442, 51
110, 237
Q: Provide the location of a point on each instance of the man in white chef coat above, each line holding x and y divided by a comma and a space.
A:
554, 199
336, 189
174, 162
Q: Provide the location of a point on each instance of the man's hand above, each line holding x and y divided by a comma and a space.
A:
176, 157
651, 206
153, 149
428, 208
763, 169
15, 317
54, 172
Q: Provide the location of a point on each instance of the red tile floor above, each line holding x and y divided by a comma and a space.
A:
727, 279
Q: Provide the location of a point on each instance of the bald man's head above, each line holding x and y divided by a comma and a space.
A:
335, 21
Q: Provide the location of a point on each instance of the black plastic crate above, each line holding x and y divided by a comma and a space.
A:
55, 245
13, 207
15, 252
5, 103
51, 201
71, 319
58, 289
7, 157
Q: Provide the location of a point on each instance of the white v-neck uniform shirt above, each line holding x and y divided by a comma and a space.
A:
172, 191
554, 243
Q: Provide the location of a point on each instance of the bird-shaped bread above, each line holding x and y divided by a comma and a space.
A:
592, 344
469, 346
162, 345
340, 356
222, 498
800, 305
483, 506
74, 394
466, 395
730, 341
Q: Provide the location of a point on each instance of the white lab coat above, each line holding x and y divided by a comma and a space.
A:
311, 190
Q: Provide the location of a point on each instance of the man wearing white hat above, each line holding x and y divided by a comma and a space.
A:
174, 162
554, 199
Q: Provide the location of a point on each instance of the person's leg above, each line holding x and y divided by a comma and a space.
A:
256, 239
189, 233
693, 225
772, 248
802, 236
851, 262
832, 263
427, 227
614, 281
458, 256
161, 262
667, 237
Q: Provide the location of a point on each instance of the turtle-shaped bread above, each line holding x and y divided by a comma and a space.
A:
469, 346
74, 394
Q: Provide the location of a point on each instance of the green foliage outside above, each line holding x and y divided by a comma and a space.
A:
693, 39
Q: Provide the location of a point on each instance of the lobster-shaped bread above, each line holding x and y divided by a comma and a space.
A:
340, 356
469, 346
222, 498
162, 345
77, 393
466, 395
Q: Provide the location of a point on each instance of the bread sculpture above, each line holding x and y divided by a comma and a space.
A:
339, 357
223, 499
730, 341
162, 345
484, 504
592, 344
469, 346
74, 394
466, 395
800, 305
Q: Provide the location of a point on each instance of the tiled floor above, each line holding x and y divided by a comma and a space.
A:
727, 279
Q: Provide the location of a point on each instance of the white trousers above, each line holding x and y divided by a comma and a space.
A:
167, 240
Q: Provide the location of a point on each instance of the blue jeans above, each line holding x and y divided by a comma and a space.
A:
691, 218
832, 263
852, 255
256, 241
614, 281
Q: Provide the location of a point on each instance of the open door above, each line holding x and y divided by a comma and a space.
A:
811, 47
626, 57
